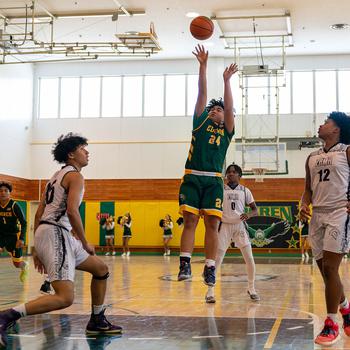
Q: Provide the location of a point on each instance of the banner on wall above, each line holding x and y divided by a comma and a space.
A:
275, 226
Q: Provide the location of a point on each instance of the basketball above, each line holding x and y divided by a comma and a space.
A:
202, 28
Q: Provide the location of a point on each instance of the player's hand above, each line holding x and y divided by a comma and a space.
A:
19, 244
244, 217
201, 54
304, 213
38, 264
229, 71
89, 248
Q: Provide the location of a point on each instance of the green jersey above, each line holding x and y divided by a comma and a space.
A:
208, 145
11, 217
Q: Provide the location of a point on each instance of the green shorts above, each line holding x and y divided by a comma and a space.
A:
201, 195
9, 242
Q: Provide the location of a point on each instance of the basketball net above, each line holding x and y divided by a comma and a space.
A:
259, 174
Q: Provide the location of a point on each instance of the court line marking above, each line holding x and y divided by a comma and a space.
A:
296, 327
22, 335
256, 333
274, 330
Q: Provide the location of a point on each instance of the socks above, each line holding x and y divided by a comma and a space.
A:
333, 317
209, 262
185, 257
96, 309
344, 304
250, 267
21, 309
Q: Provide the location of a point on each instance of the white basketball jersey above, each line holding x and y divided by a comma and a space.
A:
56, 199
330, 177
234, 203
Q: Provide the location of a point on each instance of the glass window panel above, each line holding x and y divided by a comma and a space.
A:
302, 92
90, 97
237, 94
154, 96
111, 97
192, 93
175, 95
284, 96
258, 96
48, 99
132, 97
69, 98
325, 85
344, 90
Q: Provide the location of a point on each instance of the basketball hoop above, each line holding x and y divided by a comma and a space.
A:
259, 174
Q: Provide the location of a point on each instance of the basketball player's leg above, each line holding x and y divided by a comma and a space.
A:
189, 202
211, 207
224, 240
17, 257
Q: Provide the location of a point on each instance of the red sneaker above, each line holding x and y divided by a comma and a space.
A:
329, 334
346, 320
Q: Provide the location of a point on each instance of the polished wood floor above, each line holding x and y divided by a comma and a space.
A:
157, 312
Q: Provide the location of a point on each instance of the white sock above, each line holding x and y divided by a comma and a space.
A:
219, 258
209, 262
185, 254
210, 292
21, 309
344, 304
97, 309
333, 317
250, 267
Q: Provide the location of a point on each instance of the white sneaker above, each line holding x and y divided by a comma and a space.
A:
114, 253
253, 296
128, 254
168, 252
108, 253
210, 299
306, 256
123, 255
165, 254
302, 257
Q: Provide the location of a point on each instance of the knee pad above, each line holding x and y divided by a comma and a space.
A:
100, 278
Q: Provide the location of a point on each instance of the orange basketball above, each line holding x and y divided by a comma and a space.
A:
202, 28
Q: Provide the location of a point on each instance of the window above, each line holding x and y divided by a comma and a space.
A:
90, 97
303, 92
154, 96
111, 97
284, 96
132, 97
344, 90
192, 93
325, 87
69, 104
48, 98
258, 95
175, 95
236, 94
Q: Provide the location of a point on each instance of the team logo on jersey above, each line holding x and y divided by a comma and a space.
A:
324, 162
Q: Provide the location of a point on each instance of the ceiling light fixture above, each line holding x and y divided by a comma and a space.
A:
340, 26
192, 14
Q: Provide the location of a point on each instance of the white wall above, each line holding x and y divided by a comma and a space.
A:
16, 106
122, 148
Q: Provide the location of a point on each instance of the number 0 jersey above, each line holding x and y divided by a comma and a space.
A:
330, 177
235, 201
209, 144
56, 199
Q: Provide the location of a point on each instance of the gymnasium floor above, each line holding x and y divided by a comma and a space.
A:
157, 312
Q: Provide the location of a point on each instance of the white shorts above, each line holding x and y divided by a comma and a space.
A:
109, 237
48, 242
329, 231
233, 232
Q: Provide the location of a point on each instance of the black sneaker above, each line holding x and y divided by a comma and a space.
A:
209, 275
185, 271
46, 288
98, 324
8, 320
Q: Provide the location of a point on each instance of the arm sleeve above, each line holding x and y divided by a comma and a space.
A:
19, 214
171, 225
